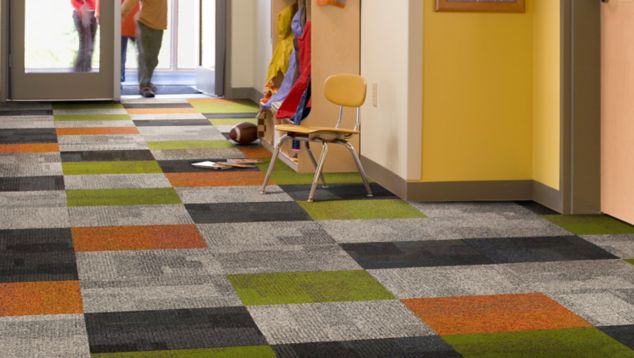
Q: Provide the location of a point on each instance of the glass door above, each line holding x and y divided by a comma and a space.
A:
64, 50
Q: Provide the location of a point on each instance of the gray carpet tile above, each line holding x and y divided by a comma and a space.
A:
172, 329
172, 123
168, 117
27, 122
129, 215
599, 308
150, 292
116, 181
476, 226
59, 336
332, 322
285, 259
572, 276
474, 252
410, 347
32, 199
229, 194
619, 245
101, 142
107, 156
198, 154
27, 164
93, 124
448, 281
452, 210
158, 134
34, 218
337, 192
251, 236
32, 183
88, 111
145, 265
29, 112
37, 255
623, 334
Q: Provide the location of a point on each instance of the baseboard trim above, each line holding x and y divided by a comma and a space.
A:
244, 93
509, 190
548, 197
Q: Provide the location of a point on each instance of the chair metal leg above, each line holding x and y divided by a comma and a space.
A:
269, 171
357, 161
312, 160
320, 167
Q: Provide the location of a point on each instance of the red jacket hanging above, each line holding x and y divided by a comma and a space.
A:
290, 105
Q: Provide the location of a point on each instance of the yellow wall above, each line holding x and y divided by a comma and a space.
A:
546, 92
477, 101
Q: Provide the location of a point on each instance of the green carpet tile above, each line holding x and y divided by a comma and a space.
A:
92, 117
190, 144
360, 209
630, 261
123, 197
88, 105
591, 224
582, 342
307, 287
231, 122
120, 167
283, 175
232, 352
226, 107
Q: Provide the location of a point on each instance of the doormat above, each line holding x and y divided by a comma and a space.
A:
131, 90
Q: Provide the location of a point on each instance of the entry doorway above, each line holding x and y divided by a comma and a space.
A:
189, 46
617, 187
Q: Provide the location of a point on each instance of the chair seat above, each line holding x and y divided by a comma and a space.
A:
313, 131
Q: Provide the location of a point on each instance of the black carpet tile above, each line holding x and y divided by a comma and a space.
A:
107, 156
246, 212
43, 183
413, 347
537, 208
623, 334
171, 330
337, 192
250, 115
28, 135
185, 166
26, 112
37, 255
172, 123
473, 252
156, 105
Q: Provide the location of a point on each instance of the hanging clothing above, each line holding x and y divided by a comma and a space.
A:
282, 54
293, 100
292, 73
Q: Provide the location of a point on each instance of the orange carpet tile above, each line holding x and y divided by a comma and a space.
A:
40, 298
29, 148
233, 178
137, 238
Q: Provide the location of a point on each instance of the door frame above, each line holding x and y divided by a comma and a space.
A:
4, 50
6, 53
581, 106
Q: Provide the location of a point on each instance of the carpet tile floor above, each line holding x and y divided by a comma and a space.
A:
113, 245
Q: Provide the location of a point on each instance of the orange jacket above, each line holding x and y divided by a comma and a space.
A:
128, 23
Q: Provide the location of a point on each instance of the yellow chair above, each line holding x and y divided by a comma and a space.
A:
345, 90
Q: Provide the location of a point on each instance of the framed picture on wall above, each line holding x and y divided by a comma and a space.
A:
481, 5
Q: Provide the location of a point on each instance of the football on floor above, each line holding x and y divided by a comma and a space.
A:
244, 133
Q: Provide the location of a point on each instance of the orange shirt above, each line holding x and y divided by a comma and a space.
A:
153, 13
128, 23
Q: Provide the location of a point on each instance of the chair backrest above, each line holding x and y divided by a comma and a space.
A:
346, 90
